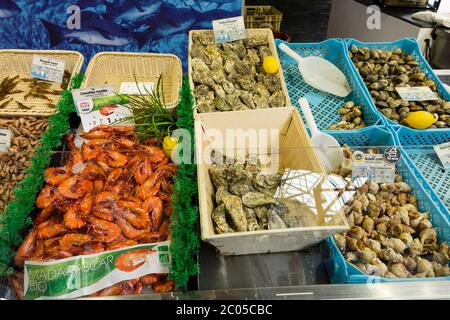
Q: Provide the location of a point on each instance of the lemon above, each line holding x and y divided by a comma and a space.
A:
420, 120
271, 65
169, 144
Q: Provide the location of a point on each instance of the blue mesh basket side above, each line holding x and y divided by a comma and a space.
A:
408, 45
324, 106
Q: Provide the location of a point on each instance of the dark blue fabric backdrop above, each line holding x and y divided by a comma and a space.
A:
109, 25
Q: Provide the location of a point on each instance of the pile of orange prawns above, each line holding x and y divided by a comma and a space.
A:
112, 193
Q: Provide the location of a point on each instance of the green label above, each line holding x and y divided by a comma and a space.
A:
84, 275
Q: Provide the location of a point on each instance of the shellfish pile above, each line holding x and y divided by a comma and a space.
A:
383, 71
112, 193
230, 76
352, 118
25, 135
389, 236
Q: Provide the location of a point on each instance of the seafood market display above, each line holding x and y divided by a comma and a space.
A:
230, 76
352, 118
245, 198
21, 92
383, 71
25, 135
389, 236
112, 193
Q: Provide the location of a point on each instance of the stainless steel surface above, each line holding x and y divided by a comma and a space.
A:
260, 270
388, 291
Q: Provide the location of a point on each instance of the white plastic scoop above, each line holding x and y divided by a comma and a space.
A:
326, 146
320, 73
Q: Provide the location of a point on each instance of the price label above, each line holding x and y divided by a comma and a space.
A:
416, 93
5, 139
229, 29
372, 167
99, 105
443, 153
49, 69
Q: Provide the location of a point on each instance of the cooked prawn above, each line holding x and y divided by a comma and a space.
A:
163, 286
155, 205
104, 231
110, 291
93, 247
113, 159
49, 229
87, 203
127, 229
141, 168
91, 150
46, 197
45, 214
134, 220
26, 248
74, 242
131, 260
54, 176
75, 187
138, 288
17, 284
98, 186
121, 244
150, 279
105, 205
72, 220
76, 158
93, 172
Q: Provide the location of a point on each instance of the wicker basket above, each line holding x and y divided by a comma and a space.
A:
117, 67
250, 33
18, 62
262, 17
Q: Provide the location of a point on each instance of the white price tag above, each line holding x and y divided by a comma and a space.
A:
136, 88
372, 167
229, 29
416, 93
5, 139
99, 105
443, 153
46, 68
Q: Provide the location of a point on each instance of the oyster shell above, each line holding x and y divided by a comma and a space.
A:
255, 199
275, 222
256, 41
262, 213
251, 219
277, 100
219, 219
234, 208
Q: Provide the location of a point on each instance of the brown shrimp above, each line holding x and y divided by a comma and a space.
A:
127, 229
72, 220
17, 281
87, 203
105, 205
131, 260
49, 229
104, 231
98, 186
93, 247
46, 197
74, 242
75, 187
155, 205
93, 172
26, 248
44, 214
76, 158
110, 291
121, 244
54, 176
163, 285
113, 158
91, 150
150, 279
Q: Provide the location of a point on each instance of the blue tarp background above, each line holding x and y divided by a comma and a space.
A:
109, 25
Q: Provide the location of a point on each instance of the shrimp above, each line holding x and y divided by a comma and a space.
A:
39, 251
91, 150
131, 260
56, 253
86, 203
105, 205
155, 205
152, 237
75, 187
128, 230
121, 244
104, 231
104, 166
95, 133
154, 153
134, 220
165, 228
125, 143
72, 220
54, 176
93, 172
163, 286
46, 197
114, 176
150, 279
73, 242
26, 248
113, 158
110, 291
49, 229
17, 284
141, 169
98, 186
44, 214
138, 288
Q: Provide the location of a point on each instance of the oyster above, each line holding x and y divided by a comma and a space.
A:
277, 100
201, 90
262, 214
221, 104
234, 208
219, 219
256, 41
256, 199
275, 222
261, 102
272, 83
251, 219
264, 51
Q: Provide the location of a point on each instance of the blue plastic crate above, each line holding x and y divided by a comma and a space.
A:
408, 45
325, 106
341, 271
418, 148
